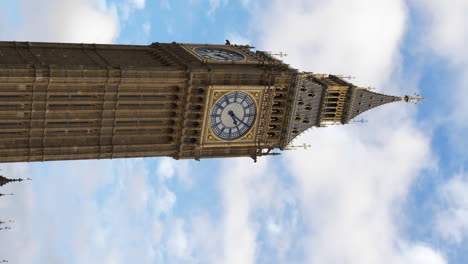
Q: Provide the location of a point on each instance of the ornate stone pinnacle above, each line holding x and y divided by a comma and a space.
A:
413, 99
4, 180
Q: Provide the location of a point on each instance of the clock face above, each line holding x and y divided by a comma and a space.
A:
233, 115
219, 54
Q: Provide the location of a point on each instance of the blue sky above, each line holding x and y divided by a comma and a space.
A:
393, 190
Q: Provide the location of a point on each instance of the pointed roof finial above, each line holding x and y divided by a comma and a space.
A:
362, 121
279, 54
4, 180
413, 99
303, 146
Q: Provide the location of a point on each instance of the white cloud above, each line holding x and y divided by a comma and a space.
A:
255, 201
166, 4
446, 28
128, 7
359, 38
239, 232
177, 240
446, 35
146, 29
236, 38
421, 254
353, 183
139, 4
165, 200
214, 5
452, 219
168, 167
65, 21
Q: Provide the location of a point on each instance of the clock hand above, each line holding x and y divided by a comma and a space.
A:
231, 113
241, 121
221, 56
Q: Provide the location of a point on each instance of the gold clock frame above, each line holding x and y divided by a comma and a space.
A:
191, 49
210, 139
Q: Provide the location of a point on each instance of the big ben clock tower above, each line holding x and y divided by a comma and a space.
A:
86, 101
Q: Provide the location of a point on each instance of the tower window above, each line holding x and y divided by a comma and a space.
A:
298, 118
199, 90
311, 95
333, 94
196, 107
190, 140
308, 108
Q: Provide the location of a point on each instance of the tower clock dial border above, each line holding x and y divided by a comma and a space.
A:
219, 54
216, 94
227, 54
233, 115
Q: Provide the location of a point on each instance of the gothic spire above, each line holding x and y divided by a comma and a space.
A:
363, 99
323, 100
9, 221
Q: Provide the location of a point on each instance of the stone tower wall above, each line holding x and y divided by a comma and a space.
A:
88, 101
